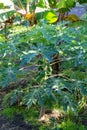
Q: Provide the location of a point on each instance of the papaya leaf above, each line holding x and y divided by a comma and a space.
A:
51, 17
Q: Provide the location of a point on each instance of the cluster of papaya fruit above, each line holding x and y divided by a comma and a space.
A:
31, 17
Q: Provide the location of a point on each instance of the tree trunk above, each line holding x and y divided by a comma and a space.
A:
42, 112
55, 64
27, 8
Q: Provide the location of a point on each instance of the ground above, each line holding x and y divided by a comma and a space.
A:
16, 124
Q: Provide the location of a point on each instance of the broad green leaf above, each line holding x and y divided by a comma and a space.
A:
51, 17
41, 3
65, 5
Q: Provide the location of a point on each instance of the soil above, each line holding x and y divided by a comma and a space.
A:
16, 124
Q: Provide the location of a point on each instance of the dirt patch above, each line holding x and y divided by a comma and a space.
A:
16, 124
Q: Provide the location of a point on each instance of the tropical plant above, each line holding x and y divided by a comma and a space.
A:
44, 66
29, 54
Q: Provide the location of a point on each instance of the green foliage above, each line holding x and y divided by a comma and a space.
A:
6, 102
41, 4
84, 17
52, 3
1, 6
10, 112
69, 125
28, 115
2, 38
82, 1
64, 6
34, 48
